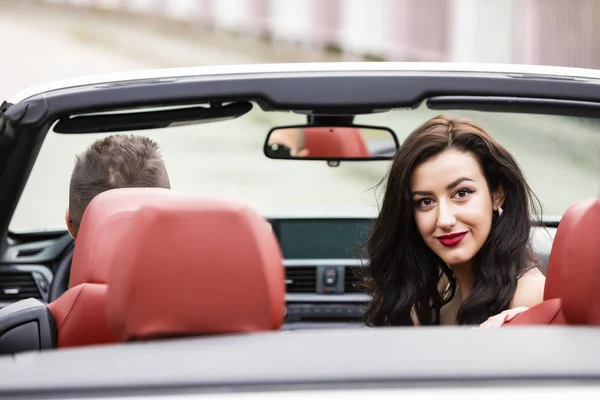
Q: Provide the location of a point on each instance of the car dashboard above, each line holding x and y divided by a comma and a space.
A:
321, 257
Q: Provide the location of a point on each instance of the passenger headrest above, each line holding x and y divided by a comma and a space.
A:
574, 264
102, 228
196, 266
594, 316
328, 142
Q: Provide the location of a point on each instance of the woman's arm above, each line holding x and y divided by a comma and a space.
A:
529, 293
530, 290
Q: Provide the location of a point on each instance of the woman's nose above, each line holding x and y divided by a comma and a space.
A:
446, 219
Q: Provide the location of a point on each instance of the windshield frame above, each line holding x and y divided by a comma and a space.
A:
311, 92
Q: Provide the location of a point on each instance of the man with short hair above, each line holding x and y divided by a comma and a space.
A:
117, 161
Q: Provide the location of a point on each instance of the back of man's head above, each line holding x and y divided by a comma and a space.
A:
117, 161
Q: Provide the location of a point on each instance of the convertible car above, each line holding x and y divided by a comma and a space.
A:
240, 281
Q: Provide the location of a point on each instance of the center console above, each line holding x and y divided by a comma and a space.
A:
323, 291
321, 258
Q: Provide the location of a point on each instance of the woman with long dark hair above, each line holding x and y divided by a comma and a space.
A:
451, 244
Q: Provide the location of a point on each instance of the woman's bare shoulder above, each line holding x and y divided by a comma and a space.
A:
530, 289
533, 272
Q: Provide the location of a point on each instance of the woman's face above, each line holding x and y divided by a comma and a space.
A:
453, 205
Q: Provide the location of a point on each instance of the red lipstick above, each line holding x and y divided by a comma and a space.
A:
452, 239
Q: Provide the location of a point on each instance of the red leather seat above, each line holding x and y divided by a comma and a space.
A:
335, 142
196, 266
79, 313
571, 293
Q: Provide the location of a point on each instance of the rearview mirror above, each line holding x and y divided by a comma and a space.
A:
349, 143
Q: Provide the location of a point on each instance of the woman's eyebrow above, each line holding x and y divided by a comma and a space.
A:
458, 181
450, 186
421, 193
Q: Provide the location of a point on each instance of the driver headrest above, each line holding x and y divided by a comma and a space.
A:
574, 262
196, 266
102, 228
327, 142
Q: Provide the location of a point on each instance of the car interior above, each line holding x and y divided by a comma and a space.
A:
238, 313
135, 273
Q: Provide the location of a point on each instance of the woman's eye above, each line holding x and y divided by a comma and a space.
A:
462, 193
425, 202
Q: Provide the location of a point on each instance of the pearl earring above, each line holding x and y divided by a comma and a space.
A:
500, 211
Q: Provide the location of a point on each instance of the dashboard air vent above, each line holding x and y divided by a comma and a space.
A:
15, 286
353, 283
301, 279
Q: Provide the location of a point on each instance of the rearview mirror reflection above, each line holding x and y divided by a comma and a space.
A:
331, 143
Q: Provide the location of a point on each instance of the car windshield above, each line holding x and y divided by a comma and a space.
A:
558, 154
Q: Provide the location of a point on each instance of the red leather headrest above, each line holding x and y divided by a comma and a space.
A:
594, 316
194, 266
102, 228
334, 142
573, 265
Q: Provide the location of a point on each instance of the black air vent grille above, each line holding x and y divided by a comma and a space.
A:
301, 279
353, 284
15, 286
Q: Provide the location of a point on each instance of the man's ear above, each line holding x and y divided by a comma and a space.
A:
69, 223
498, 198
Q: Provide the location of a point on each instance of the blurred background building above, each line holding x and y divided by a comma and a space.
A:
547, 32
